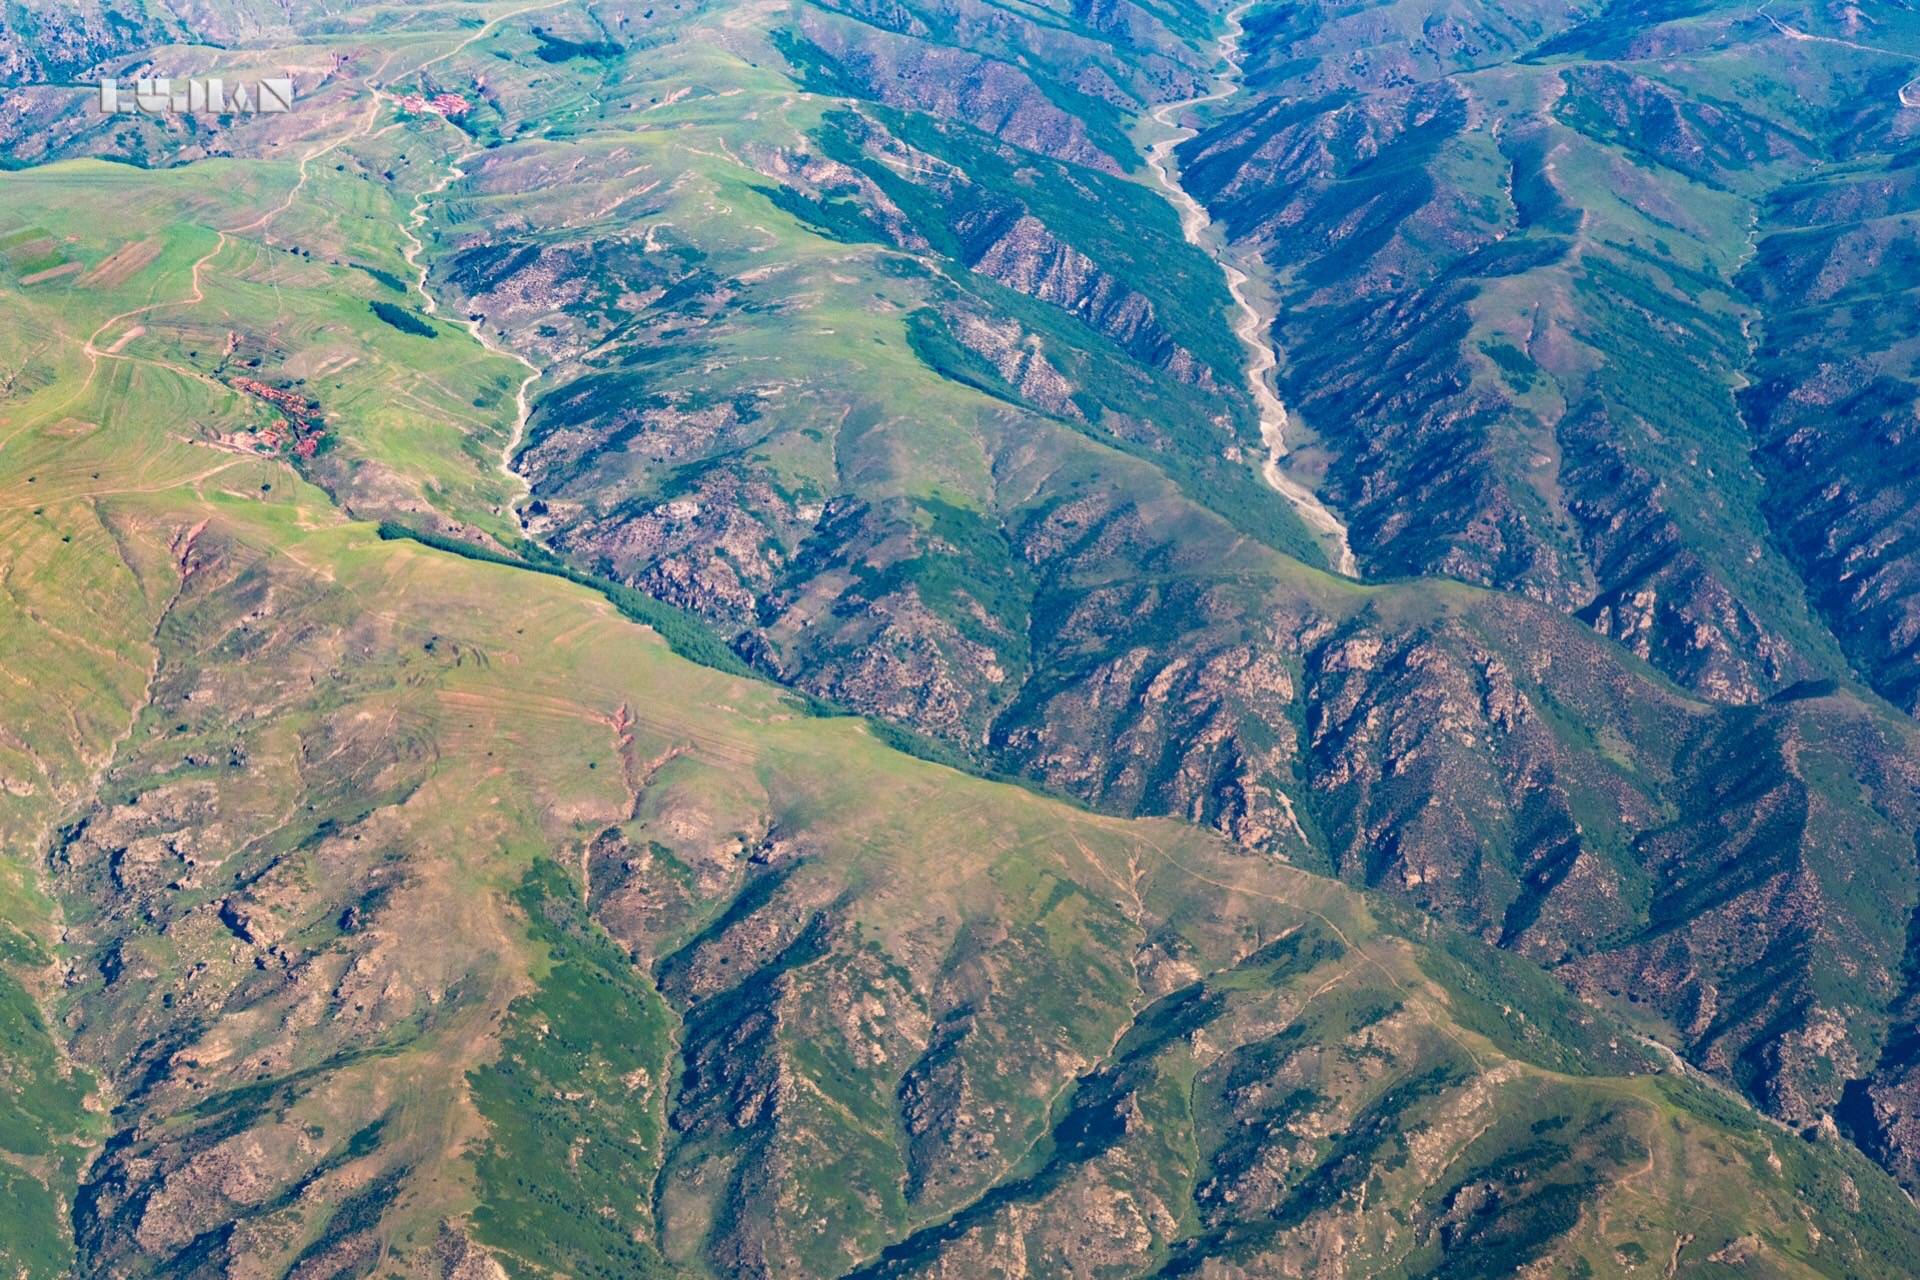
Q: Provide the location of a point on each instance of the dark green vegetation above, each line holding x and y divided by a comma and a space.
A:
573, 1102
402, 319
380, 899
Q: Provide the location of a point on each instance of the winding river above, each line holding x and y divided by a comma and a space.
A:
1250, 324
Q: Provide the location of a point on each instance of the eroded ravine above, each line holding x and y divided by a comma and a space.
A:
414, 229
1250, 323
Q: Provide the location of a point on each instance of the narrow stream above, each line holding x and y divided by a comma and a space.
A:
415, 257
1250, 324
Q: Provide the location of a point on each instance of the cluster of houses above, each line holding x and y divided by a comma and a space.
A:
445, 104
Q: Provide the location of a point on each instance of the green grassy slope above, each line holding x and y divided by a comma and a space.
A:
410, 908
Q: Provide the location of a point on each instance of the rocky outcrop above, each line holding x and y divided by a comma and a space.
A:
1837, 415
42, 42
1023, 255
1528, 405
1662, 600
996, 97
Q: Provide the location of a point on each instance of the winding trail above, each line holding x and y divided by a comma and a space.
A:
1908, 94
1250, 324
91, 347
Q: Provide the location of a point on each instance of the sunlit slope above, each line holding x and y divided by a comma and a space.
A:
334, 905
403, 910
132, 321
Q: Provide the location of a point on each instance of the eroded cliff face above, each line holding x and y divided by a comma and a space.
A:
987, 93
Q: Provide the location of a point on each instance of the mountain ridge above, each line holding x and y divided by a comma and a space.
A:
950, 428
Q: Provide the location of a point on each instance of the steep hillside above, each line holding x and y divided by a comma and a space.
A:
382, 896
422, 912
822, 427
